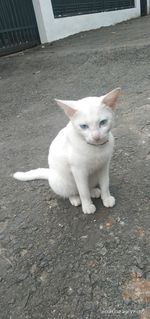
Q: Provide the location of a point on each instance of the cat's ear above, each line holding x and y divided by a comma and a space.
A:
110, 98
67, 106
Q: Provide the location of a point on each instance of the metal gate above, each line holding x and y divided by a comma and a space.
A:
18, 27
64, 8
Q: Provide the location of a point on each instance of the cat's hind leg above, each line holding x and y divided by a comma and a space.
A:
63, 186
75, 200
95, 192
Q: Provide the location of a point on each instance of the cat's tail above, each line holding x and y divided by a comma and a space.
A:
39, 173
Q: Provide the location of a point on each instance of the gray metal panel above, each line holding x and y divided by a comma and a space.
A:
18, 27
63, 8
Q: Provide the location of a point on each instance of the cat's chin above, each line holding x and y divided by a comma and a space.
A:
97, 144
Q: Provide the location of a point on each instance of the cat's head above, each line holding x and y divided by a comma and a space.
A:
92, 117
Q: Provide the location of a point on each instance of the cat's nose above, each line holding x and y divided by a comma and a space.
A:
96, 136
96, 139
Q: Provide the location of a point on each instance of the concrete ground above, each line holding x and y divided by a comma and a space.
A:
56, 262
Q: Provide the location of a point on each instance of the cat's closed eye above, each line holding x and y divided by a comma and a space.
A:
103, 122
84, 126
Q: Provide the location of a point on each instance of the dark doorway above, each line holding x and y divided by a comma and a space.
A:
18, 27
143, 7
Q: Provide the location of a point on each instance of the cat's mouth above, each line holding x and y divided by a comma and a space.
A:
97, 144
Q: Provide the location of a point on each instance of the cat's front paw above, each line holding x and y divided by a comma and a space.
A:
88, 208
109, 201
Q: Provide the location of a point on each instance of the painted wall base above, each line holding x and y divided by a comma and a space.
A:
51, 29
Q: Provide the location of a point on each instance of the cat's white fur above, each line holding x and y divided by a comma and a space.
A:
79, 156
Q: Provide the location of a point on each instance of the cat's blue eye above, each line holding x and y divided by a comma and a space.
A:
103, 122
84, 126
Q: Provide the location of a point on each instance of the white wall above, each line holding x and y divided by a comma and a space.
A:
148, 6
52, 29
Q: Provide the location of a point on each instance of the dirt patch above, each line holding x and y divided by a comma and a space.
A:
137, 289
145, 314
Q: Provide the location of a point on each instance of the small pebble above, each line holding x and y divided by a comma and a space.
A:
117, 240
137, 272
103, 251
61, 225
70, 291
122, 223
23, 252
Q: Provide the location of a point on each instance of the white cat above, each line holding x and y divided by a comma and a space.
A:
79, 156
